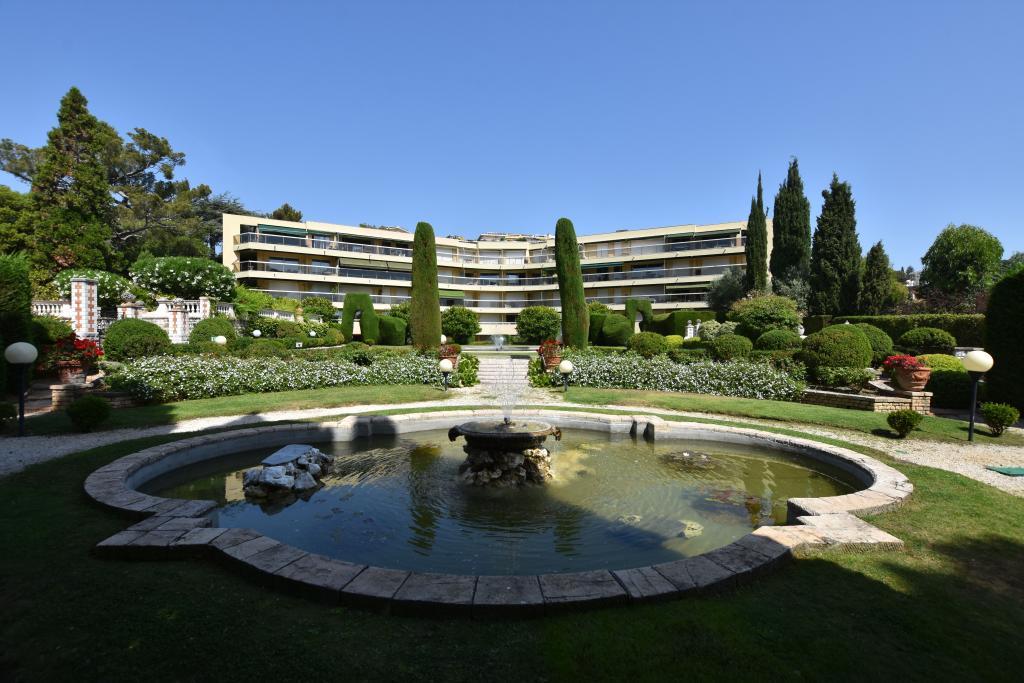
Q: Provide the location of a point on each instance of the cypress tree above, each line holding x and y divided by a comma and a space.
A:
876, 293
575, 314
425, 305
835, 254
756, 276
791, 228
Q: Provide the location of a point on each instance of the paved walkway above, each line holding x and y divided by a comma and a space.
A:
968, 460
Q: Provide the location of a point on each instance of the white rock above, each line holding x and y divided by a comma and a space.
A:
304, 481
276, 477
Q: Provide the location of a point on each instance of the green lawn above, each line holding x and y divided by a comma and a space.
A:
950, 607
246, 404
934, 428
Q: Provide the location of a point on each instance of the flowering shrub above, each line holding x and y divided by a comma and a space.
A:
903, 363
71, 348
448, 350
174, 378
185, 277
632, 371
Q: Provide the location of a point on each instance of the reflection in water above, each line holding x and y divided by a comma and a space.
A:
613, 503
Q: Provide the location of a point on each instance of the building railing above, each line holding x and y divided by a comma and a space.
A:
391, 299
545, 255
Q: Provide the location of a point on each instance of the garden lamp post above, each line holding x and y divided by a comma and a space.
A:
566, 368
977, 363
444, 339
220, 339
21, 355
256, 334
445, 366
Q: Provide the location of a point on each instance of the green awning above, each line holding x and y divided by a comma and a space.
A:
676, 288
357, 262
705, 233
399, 265
451, 294
278, 230
599, 265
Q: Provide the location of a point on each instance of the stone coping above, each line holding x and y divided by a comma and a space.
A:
174, 526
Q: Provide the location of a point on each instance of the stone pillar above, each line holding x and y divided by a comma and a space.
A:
177, 322
205, 308
128, 309
689, 329
85, 310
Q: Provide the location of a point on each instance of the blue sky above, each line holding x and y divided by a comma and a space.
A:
507, 115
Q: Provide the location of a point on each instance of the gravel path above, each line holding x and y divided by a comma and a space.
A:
968, 460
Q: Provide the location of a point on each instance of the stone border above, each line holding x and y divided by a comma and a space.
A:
174, 526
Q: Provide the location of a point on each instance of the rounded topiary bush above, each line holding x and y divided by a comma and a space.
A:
763, 314
391, 329
217, 326
730, 346
778, 340
616, 330
881, 343
903, 421
535, 324
459, 324
266, 348
47, 329
674, 341
949, 382
132, 338
836, 346
88, 412
922, 340
999, 416
647, 344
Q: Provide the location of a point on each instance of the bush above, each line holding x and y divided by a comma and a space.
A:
903, 421
969, 329
778, 340
816, 323
709, 329
265, 348
731, 346
184, 276
1004, 331
785, 360
688, 355
949, 383
249, 302
133, 338
46, 330
15, 306
674, 341
844, 378
392, 330
334, 337
534, 324
598, 307
111, 288
318, 305
212, 327
616, 330
459, 324
764, 314
88, 412
836, 346
465, 374
999, 416
596, 326
647, 344
922, 340
8, 414
674, 322
881, 343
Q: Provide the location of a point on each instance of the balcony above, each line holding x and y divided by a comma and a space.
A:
391, 299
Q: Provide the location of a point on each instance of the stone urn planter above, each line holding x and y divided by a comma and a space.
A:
912, 380
70, 371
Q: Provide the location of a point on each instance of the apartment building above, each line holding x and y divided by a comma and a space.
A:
496, 275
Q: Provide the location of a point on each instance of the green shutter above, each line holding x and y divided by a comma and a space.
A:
451, 294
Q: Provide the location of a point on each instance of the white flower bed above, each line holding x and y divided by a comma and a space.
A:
631, 371
175, 378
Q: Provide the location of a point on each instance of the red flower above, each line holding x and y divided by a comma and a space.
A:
903, 362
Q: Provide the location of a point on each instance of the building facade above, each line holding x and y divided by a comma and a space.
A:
496, 275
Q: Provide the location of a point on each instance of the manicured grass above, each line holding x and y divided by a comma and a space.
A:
950, 607
245, 404
934, 428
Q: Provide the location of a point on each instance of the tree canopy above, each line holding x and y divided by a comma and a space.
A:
835, 254
756, 276
962, 262
791, 228
876, 294
286, 212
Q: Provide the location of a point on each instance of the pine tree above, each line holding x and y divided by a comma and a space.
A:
791, 228
756, 277
835, 254
575, 314
425, 304
876, 292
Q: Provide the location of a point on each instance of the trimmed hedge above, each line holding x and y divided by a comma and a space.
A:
949, 383
927, 340
596, 325
778, 340
648, 344
1004, 332
967, 328
212, 327
731, 346
763, 314
392, 330
369, 322
674, 322
15, 306
132, 338
836, 346
616, 330
47, 329
816, 323
881, 343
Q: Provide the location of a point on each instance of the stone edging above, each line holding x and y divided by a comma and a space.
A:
175, 526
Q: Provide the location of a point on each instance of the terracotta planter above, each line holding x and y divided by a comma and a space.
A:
551, 361
913, 380
70, 371
453, 359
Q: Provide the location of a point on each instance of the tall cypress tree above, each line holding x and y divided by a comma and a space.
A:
876, 292
835, 254
791, 228
425, 305
756, 276
575, 314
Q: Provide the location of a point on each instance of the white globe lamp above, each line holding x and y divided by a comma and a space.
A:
257, 334
976, 363
21, 355
446, 367
565, 367
220, 339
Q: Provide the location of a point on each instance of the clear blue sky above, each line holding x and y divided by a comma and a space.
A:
507, 115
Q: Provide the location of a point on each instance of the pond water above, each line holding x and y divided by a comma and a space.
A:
614, 503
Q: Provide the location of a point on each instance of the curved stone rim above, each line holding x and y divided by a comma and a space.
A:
177, 526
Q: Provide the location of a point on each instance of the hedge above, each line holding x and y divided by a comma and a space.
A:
15, 305
949, 383
967, 328
392, 330
1004, 332
927, 340
674, 322
369, 322
596, 325
816, 323
616, 330
131, 338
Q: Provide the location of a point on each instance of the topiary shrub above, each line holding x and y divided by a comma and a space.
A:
709, 329
575, 315
689, 354
392, 330
47, 329
616, 330
88, 412
132, 338
763, 314
216, 326
318, 305
999, 416
369, 322
266, 348
836, 346
425, 303
333, 336
647, 344
184, 276
903, 422
731, 346
923, 340
535, 324
881, 343
674, 341
1004, 331
596, 323
460, 324
949, 382
778, 340
674, 322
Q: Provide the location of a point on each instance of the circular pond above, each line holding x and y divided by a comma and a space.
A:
613, 502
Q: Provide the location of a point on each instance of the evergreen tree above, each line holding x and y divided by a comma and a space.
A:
756, 277
835, 254
575, 314
425, 304
791, 228
287, 212
876, 295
